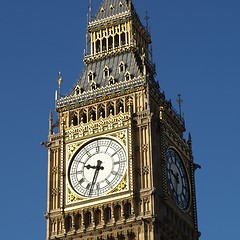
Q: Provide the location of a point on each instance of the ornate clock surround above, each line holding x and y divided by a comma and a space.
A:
119, 128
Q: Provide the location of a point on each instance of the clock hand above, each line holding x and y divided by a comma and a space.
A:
176, 176
94, 167
98, 167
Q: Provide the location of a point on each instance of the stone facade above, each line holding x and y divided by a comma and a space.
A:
118, 98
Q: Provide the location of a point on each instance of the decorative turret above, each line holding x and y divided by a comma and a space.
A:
116, 29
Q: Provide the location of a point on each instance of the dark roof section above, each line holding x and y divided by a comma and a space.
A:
132, 64
112, 7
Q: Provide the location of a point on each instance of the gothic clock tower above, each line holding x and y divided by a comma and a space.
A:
119, 167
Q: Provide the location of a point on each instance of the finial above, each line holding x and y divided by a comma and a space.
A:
147, 21
90, 11
180, 101
189, 140
59, 80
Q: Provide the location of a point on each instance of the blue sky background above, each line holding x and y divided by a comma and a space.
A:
197, 53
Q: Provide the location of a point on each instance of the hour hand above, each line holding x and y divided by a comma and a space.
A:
95, 167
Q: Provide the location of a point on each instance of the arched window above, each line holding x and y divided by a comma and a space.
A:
110, 108
77, 221
123, 39
97, 217
127, 210
90, 76
117, 213
87, 219
93, 85
120, 107
77, 90
92, 114
74, 119
121, 67
68, 223
106, 72
104, 44
110, 42
116, 40
111, 80
83, 117
101, 112
127, 76
98, 46
108, 214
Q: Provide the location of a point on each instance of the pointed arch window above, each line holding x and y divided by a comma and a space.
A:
77, 90
123, 38
127, 76
104, 44
98, 46
93, 85
111, 80
106, 72
116, 40
121, 67
90, 76
110, 42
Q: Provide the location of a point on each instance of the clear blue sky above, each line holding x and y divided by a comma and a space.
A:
196, 47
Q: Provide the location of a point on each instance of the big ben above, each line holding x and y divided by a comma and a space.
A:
119, 167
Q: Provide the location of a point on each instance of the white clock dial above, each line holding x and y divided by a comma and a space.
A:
177, 179
98, 167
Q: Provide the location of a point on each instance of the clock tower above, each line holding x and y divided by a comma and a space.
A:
119, 167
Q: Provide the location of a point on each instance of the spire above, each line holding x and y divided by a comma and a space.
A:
189, 142
180, 101
59, 81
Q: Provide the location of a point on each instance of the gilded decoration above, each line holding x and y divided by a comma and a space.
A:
97, 127
122, 186
72, 148
73, 197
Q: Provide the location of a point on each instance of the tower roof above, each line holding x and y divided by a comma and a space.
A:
132, 65
110, 8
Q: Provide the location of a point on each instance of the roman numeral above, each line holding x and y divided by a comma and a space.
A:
81, 181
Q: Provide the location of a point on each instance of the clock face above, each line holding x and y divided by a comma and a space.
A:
98, 167
177, 179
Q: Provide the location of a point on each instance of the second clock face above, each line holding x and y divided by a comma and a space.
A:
177, 178
98, 167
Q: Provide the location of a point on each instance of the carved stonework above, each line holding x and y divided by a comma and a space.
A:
73, 197
122, 186
97, 127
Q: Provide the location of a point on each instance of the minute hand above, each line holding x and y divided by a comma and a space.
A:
98, 167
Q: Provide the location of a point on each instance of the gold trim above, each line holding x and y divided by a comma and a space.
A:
113, 122
122, 186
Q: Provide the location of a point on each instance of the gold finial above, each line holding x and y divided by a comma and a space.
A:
59, 81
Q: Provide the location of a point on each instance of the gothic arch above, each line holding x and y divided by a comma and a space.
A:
92, 114
101, 111
110, 108
74, 119
83, 116
120, 106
